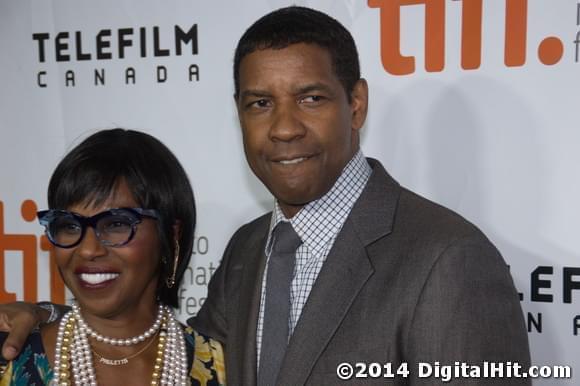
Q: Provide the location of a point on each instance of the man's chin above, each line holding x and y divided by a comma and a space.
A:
292, 202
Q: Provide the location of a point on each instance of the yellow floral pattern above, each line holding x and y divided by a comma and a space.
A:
5, 374
208, 367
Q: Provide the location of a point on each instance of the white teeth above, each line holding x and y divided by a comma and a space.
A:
292, 161
98, 278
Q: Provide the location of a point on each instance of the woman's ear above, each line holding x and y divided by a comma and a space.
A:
177, 230
170, 280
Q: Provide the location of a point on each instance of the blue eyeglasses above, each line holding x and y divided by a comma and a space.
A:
113, 227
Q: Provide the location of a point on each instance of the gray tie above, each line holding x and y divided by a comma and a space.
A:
277, 303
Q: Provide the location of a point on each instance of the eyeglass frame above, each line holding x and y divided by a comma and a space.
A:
91, 221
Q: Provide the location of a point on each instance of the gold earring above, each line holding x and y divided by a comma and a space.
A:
170, 281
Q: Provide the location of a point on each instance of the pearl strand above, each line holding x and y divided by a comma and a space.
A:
175, 363
119, 341
62, 350
73, 352
85, 372
158, 365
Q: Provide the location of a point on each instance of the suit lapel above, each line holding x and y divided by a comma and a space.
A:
342, 276
248, 306
344, 273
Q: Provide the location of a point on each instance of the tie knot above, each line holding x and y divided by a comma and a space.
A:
286, 239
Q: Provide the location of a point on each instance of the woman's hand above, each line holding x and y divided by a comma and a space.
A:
19, 319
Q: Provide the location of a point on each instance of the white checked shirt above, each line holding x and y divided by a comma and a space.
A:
317, 224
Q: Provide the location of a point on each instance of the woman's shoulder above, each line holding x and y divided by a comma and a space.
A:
30, 366
207, 358
194, 336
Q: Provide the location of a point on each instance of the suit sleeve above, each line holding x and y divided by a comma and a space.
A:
469, 312
211, 319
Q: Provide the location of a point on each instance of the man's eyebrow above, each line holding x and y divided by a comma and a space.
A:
255, 93
312, 87
299, 89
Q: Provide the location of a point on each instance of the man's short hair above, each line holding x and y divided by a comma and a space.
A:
291, 25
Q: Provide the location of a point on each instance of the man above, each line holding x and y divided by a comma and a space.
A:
380, 276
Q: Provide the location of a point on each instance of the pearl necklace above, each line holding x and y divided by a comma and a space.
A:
124, 360
114, 341
73, 353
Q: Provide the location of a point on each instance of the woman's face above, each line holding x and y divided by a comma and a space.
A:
113, 281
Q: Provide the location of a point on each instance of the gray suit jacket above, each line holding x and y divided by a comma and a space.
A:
406, 281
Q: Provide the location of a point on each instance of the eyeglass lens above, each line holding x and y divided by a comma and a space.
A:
111, 229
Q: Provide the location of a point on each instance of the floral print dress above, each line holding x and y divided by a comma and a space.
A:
31, 367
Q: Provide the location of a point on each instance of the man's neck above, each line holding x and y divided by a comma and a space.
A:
290, 210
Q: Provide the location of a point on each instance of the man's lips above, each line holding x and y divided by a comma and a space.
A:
292, 159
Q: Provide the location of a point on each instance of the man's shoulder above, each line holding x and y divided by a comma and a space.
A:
433, 234
424, 234
385, 202
425, 215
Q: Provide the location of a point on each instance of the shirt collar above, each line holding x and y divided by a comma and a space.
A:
319, 221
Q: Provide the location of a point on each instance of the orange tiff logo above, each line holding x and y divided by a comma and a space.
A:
550, 50
28, 245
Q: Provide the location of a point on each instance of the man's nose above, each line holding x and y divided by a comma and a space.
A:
286, 123
90, 247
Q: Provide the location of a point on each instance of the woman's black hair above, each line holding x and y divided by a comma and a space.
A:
91, 171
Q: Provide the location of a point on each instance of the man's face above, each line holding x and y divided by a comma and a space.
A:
299, 128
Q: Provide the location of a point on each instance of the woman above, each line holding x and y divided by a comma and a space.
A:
121, 219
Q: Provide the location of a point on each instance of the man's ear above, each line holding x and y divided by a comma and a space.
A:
236, 103
359, 103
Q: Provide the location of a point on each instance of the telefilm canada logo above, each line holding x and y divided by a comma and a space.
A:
137, 47
550, 49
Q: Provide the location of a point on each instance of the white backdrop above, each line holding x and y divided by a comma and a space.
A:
497, 143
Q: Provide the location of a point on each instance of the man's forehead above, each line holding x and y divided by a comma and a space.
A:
308, 60
299, 50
